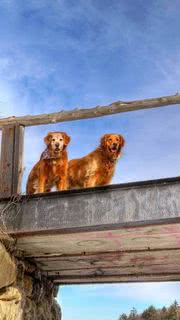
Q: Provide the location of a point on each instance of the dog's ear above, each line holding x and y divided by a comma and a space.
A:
104, 140
67, 139
48, 138
122, 140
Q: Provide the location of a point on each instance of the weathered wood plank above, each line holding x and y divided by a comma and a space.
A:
99, 111
6, 164
18, 159
106, 260
120, 233
117, 266
98, 208
116, 279
116, 271
166, 236
11, 160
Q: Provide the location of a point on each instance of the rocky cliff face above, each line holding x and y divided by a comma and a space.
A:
25, 294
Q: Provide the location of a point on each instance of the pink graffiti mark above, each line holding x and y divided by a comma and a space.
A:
107, 235
142, 260
177, 239
113, 237
173, 231
172, 228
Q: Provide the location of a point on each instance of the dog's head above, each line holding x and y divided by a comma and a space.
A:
112, 144
56, 142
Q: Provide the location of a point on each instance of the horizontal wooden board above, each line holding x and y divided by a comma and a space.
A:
116, 271
109, 207
139, 238
138, 253
119, 233
108, 259
112, 264
117, 279
76, 114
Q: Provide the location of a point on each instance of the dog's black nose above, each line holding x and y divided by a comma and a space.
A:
114, 144
57, 145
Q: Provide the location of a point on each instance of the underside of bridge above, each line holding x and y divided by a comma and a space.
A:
119, 233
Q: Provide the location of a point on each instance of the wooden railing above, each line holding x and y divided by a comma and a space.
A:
11, 166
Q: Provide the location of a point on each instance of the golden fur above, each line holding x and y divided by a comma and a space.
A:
51, 169
97, 168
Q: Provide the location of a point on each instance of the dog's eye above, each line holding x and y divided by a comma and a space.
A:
53, 139
60, 139
110, 139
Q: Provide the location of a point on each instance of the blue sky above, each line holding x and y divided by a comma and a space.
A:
108, 301
58, 55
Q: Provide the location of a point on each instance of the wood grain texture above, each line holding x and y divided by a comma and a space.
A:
128, 254
121, 233
99, 111
11, 167
18, 159
116, 279
108, 259
98, 208
6, 164
156, 237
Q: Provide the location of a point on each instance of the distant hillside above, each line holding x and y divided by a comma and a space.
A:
151, 313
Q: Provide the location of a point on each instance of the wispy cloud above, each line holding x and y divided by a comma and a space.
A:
62, 54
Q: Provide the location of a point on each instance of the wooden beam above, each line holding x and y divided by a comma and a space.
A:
129, 238
105, 260
137, 270
126, 204
99, 111
116, 279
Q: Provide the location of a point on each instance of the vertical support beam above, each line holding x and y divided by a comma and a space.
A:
6, 165
11, 160
18, 159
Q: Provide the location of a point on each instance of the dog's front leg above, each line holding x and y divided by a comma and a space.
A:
62, 184
89, 182
41, 185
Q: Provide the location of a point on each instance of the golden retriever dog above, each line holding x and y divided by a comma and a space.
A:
97, 168
51, 170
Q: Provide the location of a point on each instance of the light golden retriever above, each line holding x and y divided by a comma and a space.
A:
97, 168
51, 169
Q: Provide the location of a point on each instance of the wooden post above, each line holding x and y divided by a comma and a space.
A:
6, 165
11, 160
18, 159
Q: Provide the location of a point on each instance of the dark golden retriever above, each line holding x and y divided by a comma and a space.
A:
97, 168
51, 169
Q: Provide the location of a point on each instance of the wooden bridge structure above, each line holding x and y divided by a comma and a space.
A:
118, 233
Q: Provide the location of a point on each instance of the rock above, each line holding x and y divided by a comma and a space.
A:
10, 304
25, 294
28, 286
7, 268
